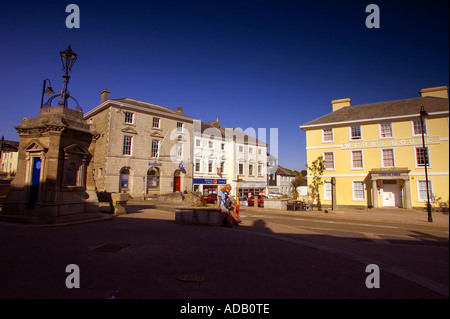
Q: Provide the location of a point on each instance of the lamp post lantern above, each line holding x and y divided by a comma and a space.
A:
68, 58
423, 116
46, 90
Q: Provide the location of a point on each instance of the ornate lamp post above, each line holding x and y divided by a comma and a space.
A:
46, 90
423, 116
68, 59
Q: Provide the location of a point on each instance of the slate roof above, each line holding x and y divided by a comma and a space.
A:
149, 106
375, 111
238, 134
283, 171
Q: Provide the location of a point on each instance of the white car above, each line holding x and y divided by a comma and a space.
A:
274, 195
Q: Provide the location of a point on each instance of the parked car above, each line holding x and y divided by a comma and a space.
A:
251, 201
210, 199
273, 195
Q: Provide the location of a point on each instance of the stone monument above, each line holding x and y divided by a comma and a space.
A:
54, 181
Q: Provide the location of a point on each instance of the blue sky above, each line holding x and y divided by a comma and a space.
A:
252, 64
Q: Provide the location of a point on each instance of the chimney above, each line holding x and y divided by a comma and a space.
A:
104, 95
180, 110
339, 104
440, 91
215, 123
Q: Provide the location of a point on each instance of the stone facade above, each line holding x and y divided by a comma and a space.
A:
143, 149
54, 177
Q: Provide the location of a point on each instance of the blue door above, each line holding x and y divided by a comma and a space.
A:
35, 181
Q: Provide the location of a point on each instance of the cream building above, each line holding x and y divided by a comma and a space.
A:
375, 153
222, 155
8, 156
144, 149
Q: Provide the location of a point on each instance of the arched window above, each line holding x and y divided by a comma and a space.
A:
153, 178
124, 178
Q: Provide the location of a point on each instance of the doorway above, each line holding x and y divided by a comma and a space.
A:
391, 194
35, 182
177, 181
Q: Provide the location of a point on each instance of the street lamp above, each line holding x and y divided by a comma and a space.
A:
46, 90
68, 59
423, 116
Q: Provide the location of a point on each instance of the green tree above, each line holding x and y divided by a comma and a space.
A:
296, 183
317, 167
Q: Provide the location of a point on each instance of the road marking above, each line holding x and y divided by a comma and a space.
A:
376, 239
346, 223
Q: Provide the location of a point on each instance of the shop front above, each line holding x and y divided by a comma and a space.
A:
249, 189
208, 186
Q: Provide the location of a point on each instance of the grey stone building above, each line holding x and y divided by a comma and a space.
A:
143, 149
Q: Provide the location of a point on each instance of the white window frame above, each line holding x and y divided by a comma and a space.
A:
382, 158
156, 120
351, 135
125, 113
152, 149
380, 129
198, 160
430, 189
239, 168
180, 127
240, 148
352, 160
416, 159
130, 147
323, 135
210, 165
334, 162
358, 199
251, 172
179, 152
424, 126
327, 192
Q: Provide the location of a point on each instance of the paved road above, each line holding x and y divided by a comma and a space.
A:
146, 255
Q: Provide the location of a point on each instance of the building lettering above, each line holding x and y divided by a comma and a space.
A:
394, 142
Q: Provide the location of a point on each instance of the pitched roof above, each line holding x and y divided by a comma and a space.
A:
149, 106
283, 171
139, 105
380, 110
237, 133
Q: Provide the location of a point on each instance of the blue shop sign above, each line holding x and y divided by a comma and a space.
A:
209, 181
154, 164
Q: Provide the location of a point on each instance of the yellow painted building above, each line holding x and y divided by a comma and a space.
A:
376, 155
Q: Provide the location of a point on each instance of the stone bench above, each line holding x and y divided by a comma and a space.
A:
207, 216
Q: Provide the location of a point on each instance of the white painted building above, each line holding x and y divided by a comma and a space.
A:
222, 154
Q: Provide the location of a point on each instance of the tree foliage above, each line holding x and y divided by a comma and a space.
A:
317, 167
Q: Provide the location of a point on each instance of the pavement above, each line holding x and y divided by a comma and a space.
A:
145, 255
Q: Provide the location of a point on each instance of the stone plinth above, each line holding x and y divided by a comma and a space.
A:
206, 216
119, 203
278, 204
54, 181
